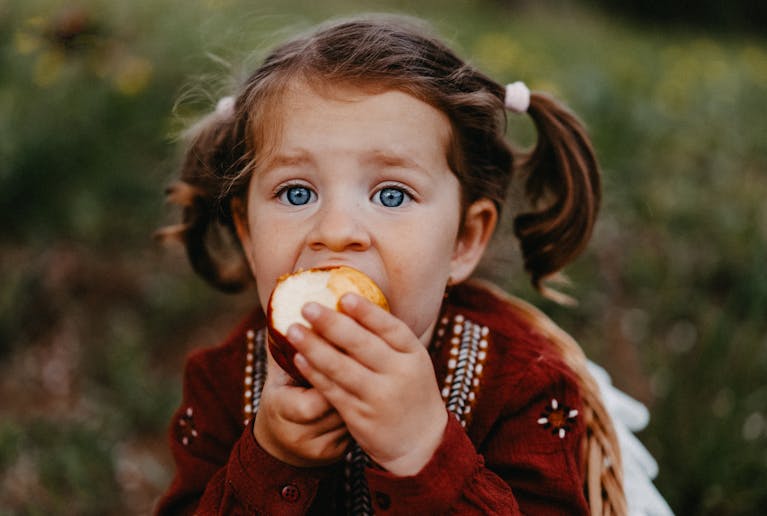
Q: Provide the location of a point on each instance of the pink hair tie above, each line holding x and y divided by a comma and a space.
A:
517, 97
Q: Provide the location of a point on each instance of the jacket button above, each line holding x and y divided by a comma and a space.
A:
290, 493
382, 500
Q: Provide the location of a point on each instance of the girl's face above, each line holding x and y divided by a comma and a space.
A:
362, 180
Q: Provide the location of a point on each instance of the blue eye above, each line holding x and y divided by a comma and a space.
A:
391, 197
296, 195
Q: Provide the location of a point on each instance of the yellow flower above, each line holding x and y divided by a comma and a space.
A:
132, 75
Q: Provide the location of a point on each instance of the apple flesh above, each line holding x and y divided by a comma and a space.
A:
323, 285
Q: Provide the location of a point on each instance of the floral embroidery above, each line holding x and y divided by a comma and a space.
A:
557, 418
186, 430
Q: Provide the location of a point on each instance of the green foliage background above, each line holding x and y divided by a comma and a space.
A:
95, 318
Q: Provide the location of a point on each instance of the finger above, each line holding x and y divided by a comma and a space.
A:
322, 360
306, 408
299, 404
342, 398
346, 334
389, 328
329, 447
330, 422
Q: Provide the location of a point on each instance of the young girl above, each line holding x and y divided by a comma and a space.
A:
369, 143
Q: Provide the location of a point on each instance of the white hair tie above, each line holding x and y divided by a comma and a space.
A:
517, 97
225, 106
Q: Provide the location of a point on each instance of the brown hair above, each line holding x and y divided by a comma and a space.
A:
384, 53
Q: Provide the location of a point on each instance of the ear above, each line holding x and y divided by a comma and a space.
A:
240, 219
478, 225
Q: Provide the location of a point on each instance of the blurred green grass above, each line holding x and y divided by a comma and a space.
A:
95, 319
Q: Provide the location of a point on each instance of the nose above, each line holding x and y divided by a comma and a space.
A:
339, 226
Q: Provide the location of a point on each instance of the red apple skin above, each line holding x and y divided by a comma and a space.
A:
283, 353
282, 350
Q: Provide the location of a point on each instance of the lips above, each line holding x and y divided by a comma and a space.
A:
323, 285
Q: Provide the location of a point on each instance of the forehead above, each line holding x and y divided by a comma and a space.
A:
306, 116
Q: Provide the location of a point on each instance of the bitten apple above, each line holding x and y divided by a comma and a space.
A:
323, 285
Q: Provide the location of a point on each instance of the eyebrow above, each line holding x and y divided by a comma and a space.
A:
388, 159
290, 160
375, 157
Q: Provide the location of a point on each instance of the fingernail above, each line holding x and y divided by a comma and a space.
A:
348, 301
295, 333
311, 311
300, 361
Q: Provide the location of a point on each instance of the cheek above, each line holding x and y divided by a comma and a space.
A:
418, 284
419, 308
266, 257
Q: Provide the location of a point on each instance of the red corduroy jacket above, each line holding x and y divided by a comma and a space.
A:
519, 452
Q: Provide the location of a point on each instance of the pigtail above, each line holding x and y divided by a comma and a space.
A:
209, 179
561, 174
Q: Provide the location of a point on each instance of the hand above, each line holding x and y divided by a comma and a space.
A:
297, 425
377, 374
